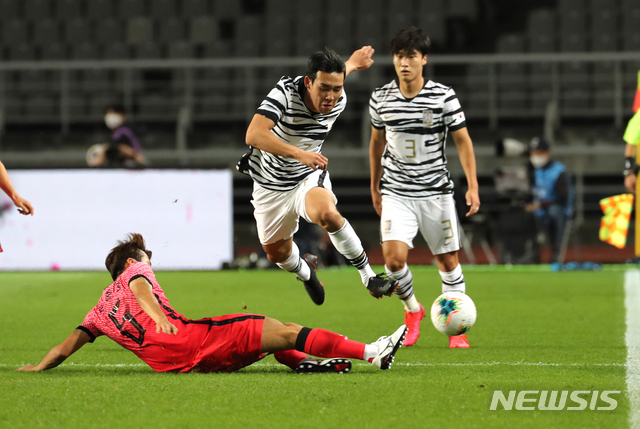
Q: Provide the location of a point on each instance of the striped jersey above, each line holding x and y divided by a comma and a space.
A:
414, 162
296, 125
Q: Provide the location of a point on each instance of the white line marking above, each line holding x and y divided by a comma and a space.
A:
134, 365
632, 338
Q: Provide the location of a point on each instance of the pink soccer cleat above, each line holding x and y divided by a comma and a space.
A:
458, 342
412, 320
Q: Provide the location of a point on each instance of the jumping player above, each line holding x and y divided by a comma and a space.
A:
290, 174
411, 187
135, 313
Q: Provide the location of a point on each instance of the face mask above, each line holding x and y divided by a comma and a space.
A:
538, 161
113, 120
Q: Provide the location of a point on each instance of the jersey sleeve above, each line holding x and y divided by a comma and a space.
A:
452, 112
376, 120
89, 325
274, 106
139, 269
632, 133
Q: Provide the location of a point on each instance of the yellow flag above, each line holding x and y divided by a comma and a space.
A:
615, 222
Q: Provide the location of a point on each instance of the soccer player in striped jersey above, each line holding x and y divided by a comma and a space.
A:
290, 173
411, 187
135, 313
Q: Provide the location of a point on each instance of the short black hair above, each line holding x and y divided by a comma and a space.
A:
326, 60
409, 40
117, 108
133, 247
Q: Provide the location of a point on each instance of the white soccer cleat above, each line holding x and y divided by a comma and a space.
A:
387, 348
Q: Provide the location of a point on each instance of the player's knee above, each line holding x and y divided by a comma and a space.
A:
395, 264
330, 219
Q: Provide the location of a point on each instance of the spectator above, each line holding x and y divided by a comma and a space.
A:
552, 194
124, 151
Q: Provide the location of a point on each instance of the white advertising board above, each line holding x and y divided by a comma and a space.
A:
185, 216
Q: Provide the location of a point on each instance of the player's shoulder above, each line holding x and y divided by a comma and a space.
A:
437, 87
138, 269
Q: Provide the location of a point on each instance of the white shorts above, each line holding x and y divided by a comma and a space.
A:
435, 217
277, 212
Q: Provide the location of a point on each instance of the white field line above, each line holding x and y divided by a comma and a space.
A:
396, 364
632, 337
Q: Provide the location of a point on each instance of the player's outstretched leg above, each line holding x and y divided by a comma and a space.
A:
304, 364
413, 310
453, 281
305, 270
346, 241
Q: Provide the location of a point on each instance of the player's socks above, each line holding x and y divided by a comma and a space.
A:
290, 358
295, 264
348, 244
404, 291
453, 281
327, 344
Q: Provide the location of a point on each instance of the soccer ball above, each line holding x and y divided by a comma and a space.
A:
453, 313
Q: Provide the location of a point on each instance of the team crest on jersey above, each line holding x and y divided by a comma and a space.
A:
387, 225
427, 117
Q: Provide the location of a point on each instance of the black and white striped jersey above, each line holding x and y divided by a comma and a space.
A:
414, 162
296, 125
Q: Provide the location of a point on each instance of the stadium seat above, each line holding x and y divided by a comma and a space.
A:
434, 24
100, 9
34, 81
115, 51
46, 31
139, 31
14, 32
77, 105
309, 21
37, 10
172, 30
148, 51
95, 80
573, 43
575, 74
278, 29
195, 8
339, 26
573, 22
512, 102
21, 52
180, 49
9, 10
85, 51
226, 9
53, 52
41, 106
599, 6
569, 6
203, 30
68, 9
604, 43
541, 29
462, 9
249, 36
163, 9
575, 101
369, 23
511, 75
77, 30
132, 9
109, 30
603, 100
99, 101
400, 14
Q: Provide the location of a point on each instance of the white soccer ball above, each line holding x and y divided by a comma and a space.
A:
95, 155
453, 313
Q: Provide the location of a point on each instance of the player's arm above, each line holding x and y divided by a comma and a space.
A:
630, 168
59, 353
468, 160
24, 206
376, 149
259, 136
360, 59
143, 292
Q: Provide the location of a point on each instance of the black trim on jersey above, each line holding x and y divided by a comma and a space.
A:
301, 341
269, 114
137, 276
376, 127
92, 337
457, 127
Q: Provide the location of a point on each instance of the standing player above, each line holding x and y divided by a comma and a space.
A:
411, 187
290, 174
135, 313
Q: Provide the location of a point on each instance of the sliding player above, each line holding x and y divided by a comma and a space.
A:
135, 313
290, 174
411, 187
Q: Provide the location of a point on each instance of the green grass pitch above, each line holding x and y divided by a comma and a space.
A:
536, 330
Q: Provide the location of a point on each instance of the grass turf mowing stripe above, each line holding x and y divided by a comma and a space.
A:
632, 304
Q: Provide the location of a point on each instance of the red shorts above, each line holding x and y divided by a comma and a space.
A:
233, 342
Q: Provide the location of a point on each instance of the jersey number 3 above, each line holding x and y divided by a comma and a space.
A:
128, 317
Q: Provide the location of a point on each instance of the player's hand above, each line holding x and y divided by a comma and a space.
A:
312, 159
166, 327
27, 368
630, 183
360, 59
473, 201
24, 206
376, 198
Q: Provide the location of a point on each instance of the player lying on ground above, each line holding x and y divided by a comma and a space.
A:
135, 313
290, 174
411, 187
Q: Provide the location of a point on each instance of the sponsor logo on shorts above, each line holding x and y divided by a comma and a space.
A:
554, 400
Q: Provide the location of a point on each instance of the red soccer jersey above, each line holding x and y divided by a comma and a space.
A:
119, 316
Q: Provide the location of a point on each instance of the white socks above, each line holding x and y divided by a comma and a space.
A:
405, 288
348, 244
370, 352
453, 281
295, 264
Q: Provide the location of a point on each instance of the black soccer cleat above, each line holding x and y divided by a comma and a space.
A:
378, 286
312, 365
314, 288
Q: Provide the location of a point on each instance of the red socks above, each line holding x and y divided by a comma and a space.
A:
327, 344
290, 358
